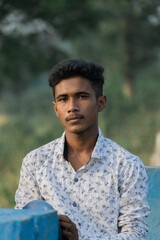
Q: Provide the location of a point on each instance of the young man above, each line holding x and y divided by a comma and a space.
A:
98, 188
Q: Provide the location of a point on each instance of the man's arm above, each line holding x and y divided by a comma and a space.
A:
28, 189
133, 206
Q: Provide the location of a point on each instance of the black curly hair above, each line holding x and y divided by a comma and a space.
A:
78, 67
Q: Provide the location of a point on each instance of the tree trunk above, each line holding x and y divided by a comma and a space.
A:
128, 84
129, 58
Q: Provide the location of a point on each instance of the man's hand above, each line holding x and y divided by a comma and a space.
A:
69, 229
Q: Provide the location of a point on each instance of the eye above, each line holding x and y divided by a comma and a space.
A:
62, 99
82, 97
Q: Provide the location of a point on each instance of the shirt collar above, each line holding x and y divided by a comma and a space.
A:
98, 150
60, 145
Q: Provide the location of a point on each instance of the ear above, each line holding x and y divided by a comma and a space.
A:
55, 108
102, 100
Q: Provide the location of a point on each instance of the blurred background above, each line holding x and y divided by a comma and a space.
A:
122, 36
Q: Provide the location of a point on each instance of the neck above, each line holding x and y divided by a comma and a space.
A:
81, 143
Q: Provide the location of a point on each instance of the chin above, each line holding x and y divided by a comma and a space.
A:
76, 130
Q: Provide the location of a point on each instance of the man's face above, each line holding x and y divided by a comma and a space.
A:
76, 105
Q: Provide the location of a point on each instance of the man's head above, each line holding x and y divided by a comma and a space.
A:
78, 68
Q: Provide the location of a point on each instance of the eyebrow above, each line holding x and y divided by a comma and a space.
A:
61, 95
82, 92
77, 93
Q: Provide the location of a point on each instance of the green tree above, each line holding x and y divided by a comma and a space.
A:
34, 35
127, 35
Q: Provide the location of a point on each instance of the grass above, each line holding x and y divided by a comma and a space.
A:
27, 121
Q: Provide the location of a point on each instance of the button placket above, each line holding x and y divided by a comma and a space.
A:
76, 190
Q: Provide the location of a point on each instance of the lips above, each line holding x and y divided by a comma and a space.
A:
73, 117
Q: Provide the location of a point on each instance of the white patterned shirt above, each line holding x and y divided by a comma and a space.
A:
106, 198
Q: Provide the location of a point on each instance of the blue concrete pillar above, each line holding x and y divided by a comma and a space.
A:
154, 202
28, 224
41, 204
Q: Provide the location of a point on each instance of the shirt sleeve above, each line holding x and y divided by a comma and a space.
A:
133, 206
133, 201
28, 189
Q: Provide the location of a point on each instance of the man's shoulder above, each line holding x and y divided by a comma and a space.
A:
121, 159
118, 152
44, 150
115, 147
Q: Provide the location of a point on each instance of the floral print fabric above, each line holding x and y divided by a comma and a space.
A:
106, 198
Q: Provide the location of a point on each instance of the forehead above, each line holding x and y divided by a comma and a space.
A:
74, 85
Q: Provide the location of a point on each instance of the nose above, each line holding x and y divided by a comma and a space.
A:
72, 105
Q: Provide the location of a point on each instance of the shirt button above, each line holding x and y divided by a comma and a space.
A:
76, 179
74, 204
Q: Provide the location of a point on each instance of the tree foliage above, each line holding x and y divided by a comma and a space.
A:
128, 35
34, 35
139, 34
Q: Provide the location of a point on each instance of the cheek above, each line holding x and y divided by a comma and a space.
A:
93, 106
58, 112
91, 110
61, 114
